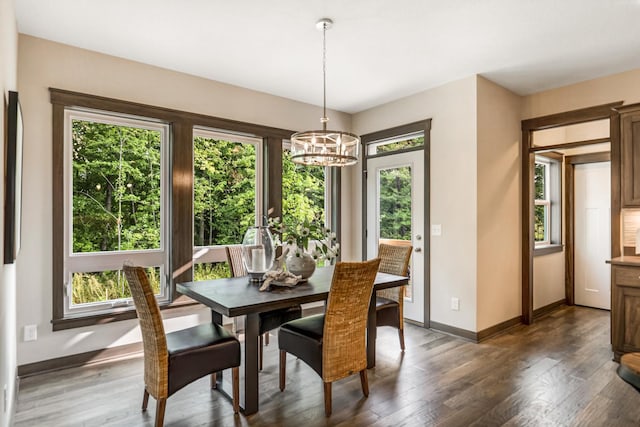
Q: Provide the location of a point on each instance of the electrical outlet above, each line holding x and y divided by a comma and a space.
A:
455, 303
436, 229
30, 333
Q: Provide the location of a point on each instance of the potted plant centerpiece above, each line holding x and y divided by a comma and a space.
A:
305, 245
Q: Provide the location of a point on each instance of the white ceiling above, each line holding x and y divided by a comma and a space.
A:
377, 51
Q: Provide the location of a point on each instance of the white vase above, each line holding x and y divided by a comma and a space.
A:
303, 265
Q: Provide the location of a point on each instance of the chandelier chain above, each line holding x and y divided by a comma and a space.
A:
324, 76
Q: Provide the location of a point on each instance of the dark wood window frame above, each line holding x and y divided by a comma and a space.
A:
181, 188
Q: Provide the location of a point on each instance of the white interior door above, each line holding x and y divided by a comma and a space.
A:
395, 214
592, 234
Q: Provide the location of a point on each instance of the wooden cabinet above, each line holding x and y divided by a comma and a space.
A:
625, 305
630, 150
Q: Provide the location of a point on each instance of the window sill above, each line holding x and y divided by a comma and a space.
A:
548, 249
80, 321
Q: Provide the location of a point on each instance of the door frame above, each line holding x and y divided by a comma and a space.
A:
423, 126
527, 157
570, 163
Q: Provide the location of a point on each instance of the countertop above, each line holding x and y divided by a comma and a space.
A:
625, 260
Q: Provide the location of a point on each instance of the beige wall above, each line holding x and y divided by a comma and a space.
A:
8, 81
452, 107
548, 279
499, 220
617, 87
43, 64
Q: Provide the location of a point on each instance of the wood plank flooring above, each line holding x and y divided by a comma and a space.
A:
558, 372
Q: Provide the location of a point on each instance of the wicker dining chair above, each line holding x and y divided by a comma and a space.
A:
394, 259
268, 320
173, 360
334, 343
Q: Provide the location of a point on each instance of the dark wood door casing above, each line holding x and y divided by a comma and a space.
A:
569, 203
527, 153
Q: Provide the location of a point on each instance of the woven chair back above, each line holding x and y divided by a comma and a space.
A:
156, 357
343, 343
234, 258
394, 259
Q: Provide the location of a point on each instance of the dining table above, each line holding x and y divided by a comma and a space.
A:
239, 296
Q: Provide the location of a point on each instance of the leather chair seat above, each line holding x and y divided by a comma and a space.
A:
272, 319
387, 312
198, 351
303, 339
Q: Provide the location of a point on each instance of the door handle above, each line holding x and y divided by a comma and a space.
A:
418, 249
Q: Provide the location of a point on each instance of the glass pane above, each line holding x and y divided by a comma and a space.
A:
395, 203
394, 145
303, 192
224, 191
395, 209
539, 181
116, 187
107, 285
540, 223
211, 270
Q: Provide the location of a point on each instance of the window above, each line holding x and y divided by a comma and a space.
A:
542, 203
115, 170
547, 187
396, 143
127, 186
305, 191
227, 183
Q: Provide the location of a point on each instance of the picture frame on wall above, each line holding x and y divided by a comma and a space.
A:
13, 179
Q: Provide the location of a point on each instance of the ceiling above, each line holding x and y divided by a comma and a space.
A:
377, 50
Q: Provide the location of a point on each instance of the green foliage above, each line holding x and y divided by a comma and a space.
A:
116, 187
302, 193
395, 203
224, 191
106, 285
539, 181
400, 145
539, 223
210, 271
309, 236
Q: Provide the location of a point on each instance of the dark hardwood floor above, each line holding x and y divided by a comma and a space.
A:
558, 372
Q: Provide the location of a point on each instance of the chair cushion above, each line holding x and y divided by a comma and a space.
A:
196, 337
387, 312
199, 351
303, 338
272, 319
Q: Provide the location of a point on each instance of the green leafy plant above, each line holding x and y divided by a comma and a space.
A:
307, 237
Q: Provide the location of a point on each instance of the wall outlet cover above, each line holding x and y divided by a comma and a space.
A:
30, 333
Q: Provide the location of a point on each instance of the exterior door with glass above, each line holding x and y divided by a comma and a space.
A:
395, 215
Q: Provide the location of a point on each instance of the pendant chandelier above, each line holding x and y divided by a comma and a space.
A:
324, 147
